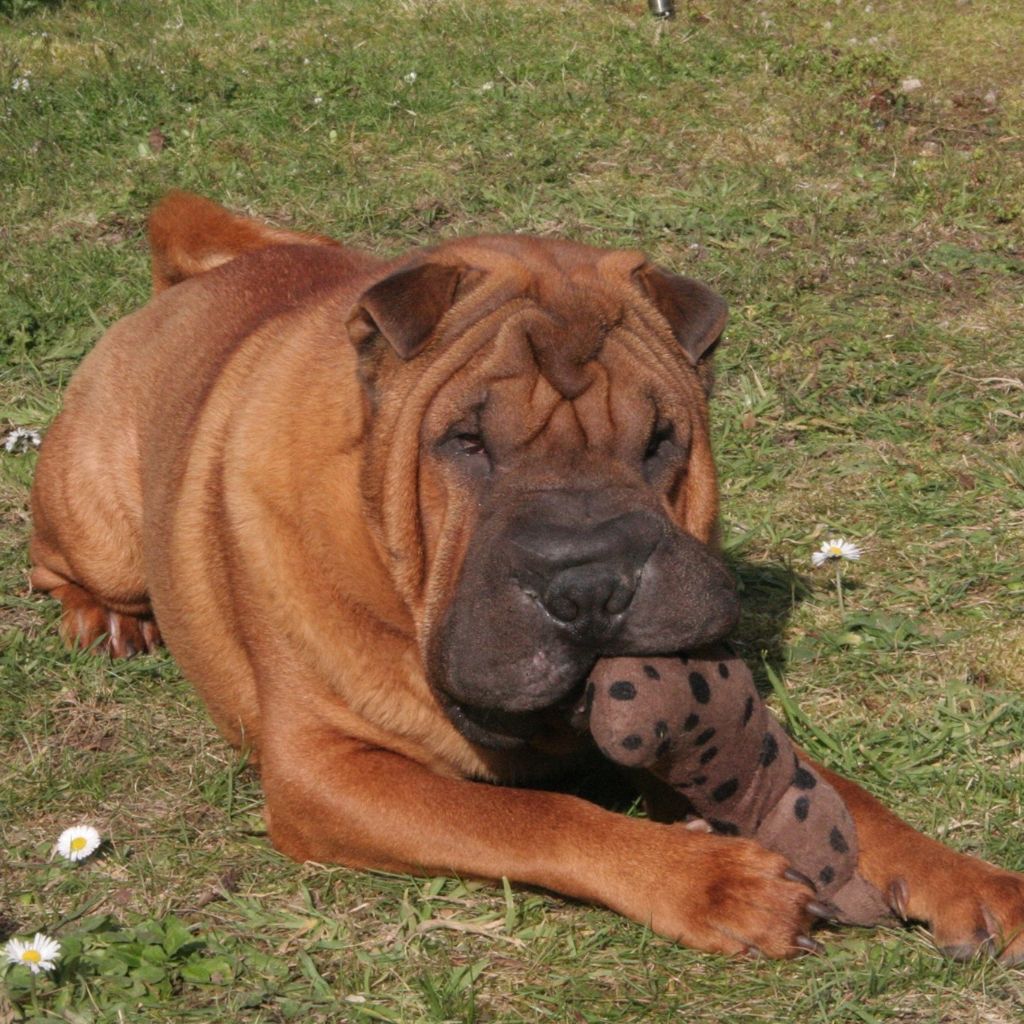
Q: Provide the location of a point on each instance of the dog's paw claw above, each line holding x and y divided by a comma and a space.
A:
898, 897
792, 875
811, 945
825, 911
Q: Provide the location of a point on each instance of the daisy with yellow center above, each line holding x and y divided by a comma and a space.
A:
833, 549
838, 550
38, 954
78, 842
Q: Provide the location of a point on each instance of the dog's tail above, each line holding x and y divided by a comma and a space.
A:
189, 235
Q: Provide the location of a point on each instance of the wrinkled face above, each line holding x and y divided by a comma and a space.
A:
543, 482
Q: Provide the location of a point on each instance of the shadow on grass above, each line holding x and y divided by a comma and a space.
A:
769, 593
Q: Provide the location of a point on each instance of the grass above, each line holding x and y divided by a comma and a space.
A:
868, 239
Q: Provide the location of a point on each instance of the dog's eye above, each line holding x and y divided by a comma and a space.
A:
664, 455
662, 434
466, 446
469, 444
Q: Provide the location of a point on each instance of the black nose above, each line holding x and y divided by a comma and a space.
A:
589, 592
584, 572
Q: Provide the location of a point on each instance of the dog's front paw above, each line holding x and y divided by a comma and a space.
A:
725, 895
972, 909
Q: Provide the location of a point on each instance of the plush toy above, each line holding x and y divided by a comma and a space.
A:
698, 724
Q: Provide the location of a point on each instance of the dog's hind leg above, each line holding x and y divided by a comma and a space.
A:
86, 546
88, 623
98, 617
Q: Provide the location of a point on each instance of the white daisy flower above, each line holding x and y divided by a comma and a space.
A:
834, 549
78, 842
20, 439
37, 955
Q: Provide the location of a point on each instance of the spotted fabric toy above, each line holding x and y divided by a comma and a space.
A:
698, 724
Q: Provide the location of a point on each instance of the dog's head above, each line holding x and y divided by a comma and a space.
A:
538, 471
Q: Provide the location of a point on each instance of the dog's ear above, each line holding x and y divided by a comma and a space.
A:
696, 314
406, 307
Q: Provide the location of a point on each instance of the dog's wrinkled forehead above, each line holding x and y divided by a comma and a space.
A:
566, 334
579, 295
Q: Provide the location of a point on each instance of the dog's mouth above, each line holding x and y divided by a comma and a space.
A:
498, 729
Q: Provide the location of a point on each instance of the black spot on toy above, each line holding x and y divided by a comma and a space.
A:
622, 689
699, 687
725, 828
837, 841
727, 789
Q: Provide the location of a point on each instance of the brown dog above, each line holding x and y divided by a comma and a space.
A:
387, 516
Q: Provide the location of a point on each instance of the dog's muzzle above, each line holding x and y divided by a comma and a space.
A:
553, 585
